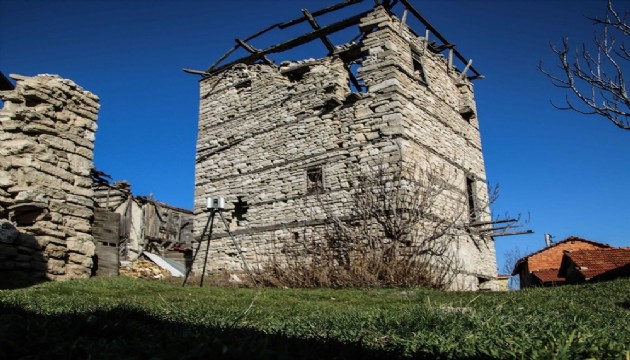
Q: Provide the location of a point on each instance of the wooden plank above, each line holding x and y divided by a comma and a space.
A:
481, 223
403, 21
466, 68
232, 50
279, 25
426, 23
320, 12
329, 45
251, 50
106, 260
290, 44
195, 72
106, 230
106, 226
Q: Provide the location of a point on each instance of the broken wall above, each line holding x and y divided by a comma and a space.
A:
47, 128
271, 137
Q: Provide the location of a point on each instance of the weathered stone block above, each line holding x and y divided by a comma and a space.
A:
81, 246
55, 251
18, 146
84, 261
56, 267
75, 271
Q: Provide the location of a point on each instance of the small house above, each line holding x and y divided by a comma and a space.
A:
542, 268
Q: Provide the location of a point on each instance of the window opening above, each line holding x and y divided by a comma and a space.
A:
240, 209
296, 73
353, 77
470, 194
418, 69
315, 180
243, 84
467, 113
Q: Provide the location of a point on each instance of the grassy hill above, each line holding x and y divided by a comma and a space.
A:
126, 318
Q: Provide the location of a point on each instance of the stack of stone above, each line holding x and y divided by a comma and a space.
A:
47, 128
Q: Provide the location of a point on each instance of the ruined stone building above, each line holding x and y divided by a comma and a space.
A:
286, 144
127, 225
58, 219
47, 127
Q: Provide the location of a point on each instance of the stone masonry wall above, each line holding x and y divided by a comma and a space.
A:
439, 130
47, 128
263, 130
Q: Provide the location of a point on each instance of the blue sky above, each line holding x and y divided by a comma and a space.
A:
568, 171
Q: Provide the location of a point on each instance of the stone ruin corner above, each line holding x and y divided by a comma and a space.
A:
47, 130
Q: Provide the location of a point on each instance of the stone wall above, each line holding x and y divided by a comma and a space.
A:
47, 128
265, 133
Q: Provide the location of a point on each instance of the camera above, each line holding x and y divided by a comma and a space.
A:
216, 203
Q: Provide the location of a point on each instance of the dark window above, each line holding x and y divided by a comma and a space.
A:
315, 180
243, 84
417, 66
481, 281
296, 74
470, 194
240, 209
353, 77
467, 113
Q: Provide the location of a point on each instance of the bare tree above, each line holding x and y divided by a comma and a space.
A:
594, 75
512, 256
399, 229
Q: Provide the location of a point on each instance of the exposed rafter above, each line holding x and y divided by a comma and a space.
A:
322, 33
287, 45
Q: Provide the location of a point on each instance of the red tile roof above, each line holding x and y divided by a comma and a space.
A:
550, 257
607, 263
548, 276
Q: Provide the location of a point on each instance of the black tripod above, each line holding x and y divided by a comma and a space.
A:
208, 228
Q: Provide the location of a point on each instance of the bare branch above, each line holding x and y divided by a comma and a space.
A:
597, 78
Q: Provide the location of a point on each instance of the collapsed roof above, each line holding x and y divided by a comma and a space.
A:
322, 34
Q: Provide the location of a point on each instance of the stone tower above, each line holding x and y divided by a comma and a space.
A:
273, 139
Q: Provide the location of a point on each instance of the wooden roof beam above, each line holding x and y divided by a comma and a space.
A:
251, 50
475, 224
329, 45
428, 25
319, 12
331, 48
232, 50
290, 44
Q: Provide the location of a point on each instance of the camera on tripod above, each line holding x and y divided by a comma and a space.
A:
216, 203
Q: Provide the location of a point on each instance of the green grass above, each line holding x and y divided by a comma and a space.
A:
126, 318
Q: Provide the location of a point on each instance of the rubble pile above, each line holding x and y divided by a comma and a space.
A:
144, 269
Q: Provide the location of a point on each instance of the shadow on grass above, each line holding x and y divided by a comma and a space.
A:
18, 280
127, 333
